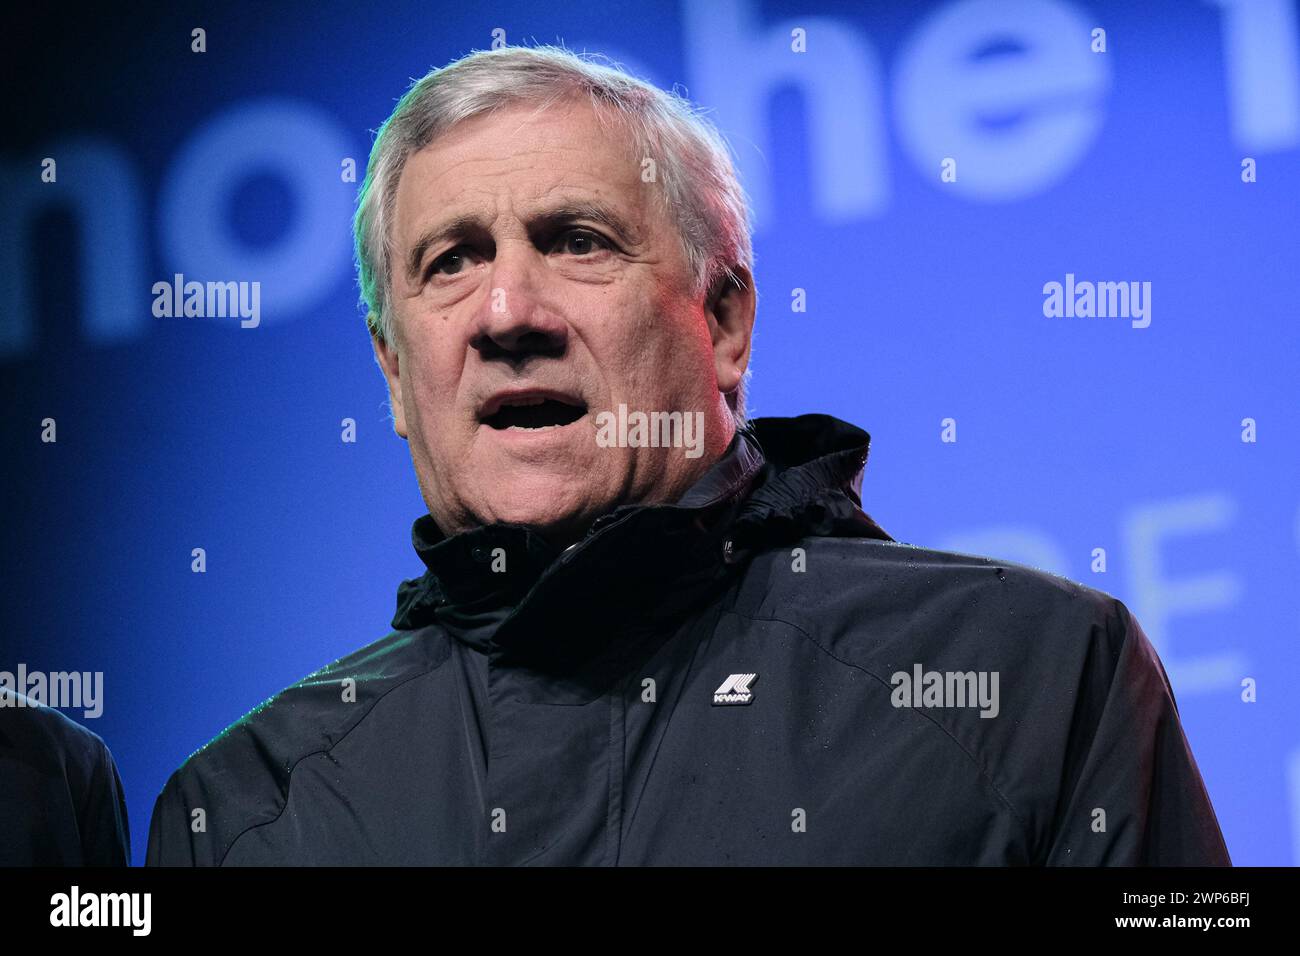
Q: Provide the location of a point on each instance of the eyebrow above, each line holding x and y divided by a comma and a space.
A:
539, 223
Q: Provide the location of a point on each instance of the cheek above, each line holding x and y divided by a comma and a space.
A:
643, 319
631, 349
676, 343
429, 387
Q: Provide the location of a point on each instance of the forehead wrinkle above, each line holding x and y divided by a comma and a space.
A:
435, 181
627, 220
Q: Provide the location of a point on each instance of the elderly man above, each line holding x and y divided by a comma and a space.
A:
651, 631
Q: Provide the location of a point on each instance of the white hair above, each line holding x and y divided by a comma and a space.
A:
700, 189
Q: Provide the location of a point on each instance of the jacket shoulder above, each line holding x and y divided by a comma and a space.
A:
240, 778
1079, 712
1094, 756
885, 607
824, 580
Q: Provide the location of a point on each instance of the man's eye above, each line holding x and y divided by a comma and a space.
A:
580, 242
575, 242
454, 259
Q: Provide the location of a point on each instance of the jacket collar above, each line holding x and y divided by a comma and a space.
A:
779, 480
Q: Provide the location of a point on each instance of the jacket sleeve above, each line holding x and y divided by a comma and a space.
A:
105, 825
1131, 792
169, 834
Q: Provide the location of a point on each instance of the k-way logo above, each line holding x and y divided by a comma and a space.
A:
735, 690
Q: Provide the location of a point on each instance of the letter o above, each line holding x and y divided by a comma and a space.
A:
300, 144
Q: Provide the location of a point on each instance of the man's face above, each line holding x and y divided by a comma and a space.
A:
531, 288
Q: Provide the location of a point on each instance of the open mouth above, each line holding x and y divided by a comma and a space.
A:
535, 413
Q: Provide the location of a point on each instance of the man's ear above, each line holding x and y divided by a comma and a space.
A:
387, 357
730, 310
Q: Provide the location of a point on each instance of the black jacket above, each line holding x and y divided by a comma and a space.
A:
61, 799
716, 681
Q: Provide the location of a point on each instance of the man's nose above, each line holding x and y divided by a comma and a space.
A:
516, 317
